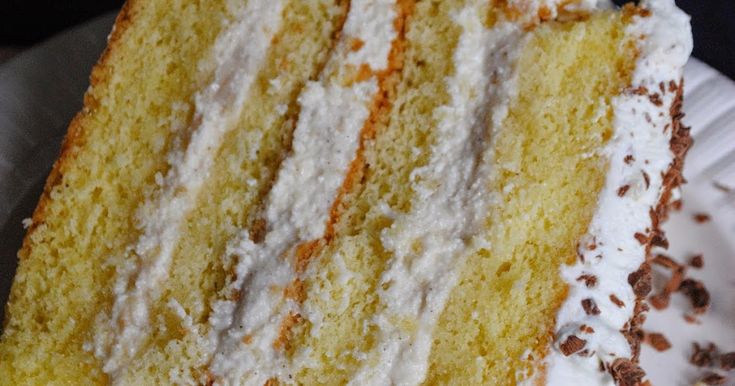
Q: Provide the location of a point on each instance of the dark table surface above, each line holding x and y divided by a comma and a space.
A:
25, 22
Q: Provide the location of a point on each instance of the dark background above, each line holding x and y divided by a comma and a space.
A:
25, 22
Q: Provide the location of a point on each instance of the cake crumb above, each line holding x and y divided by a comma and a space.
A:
356, 44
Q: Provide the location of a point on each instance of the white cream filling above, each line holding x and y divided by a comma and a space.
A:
432, 241
325, 142
663, 53
238, 53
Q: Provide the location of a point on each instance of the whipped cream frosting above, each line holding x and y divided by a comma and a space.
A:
638, 156
297, 209
238, 54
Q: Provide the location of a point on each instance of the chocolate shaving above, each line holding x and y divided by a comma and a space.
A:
589, 280
657, 341
626, 373
721, 187
697, 294
623, 189
586, 329
713, 379
677, 205
665, 261
643, 239
696, 261
672, 86
646, 179
703, 357
640, 90
629, 159
656, 99
590, 307
616, 301
572, 345
727, 361
658, 239
640, 280
659, 301
701, 218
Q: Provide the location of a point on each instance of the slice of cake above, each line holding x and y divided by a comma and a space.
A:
357, 192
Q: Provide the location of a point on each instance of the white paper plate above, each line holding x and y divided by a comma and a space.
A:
41, 89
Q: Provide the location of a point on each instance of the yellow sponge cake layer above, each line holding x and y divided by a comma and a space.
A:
243, 171
549, 167
113, 150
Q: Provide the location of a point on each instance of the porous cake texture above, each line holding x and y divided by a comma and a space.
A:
357, 192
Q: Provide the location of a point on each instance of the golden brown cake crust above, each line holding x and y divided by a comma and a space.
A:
75, 135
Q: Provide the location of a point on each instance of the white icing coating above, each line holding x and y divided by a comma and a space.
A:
238, 55
325, 141
432, 241
663, 53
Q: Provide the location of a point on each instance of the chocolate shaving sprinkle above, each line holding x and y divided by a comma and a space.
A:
713, 379
657, 341
626, 373
672, 86
727, 361
640, 280
701, 218
643, 239
586, 329
589, 280
572, 345
696, 261
656, 99
703, 357
590, 307
629, 159
659, 239
721, 187
622, 190
616, 301
665, 261
646, 178
691, 319
640, 90
697, 294
659, 301
677, 205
